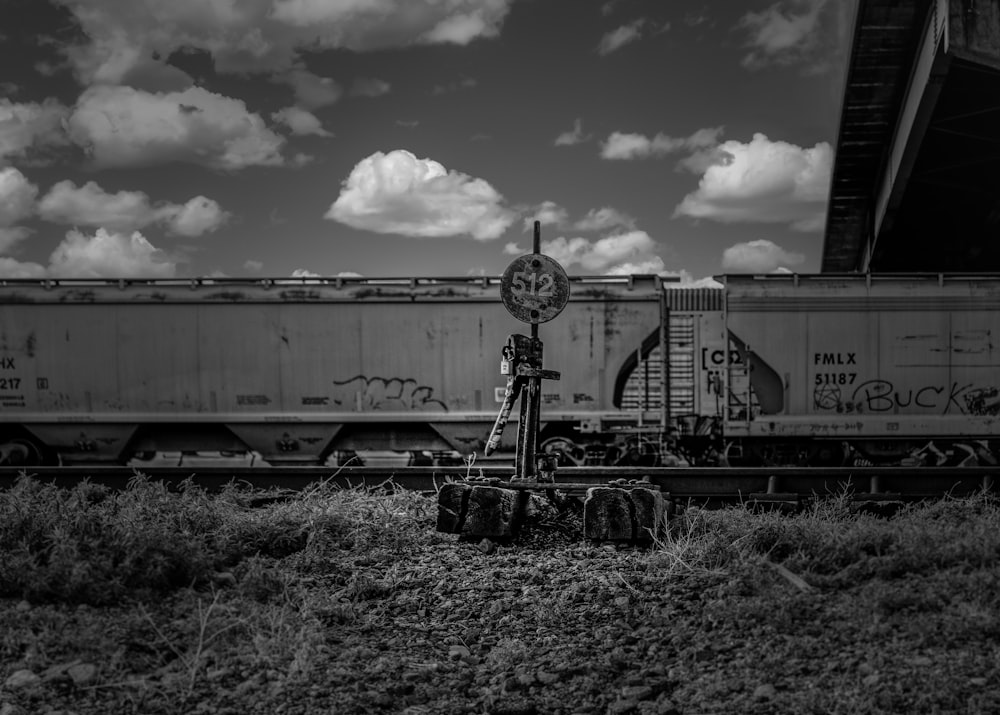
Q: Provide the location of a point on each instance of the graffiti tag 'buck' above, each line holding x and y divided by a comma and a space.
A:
882, 396
389, 394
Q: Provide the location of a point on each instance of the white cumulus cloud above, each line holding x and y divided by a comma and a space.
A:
30, 126
631, 252
300, 121
13, 268
17, 202
808, 32
109, 255
674, 279
401, 194
198, 216
622, 145
90, 205
606, 218
686, 280
652, 265
17, 197
603, 219
573, 136
461, 29
621, 36
764, 181
548, 213
262, 35
759, 256
605, 255
11, 236
121, 126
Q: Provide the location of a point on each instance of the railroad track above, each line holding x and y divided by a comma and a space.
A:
708, 484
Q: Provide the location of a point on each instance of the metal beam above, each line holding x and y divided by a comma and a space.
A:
929, 71
886, 35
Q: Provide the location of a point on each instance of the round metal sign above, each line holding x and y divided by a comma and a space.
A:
534, 288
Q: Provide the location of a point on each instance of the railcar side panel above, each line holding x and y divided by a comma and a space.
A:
19, 365
157, 369
711, 348
65, 355
290, 370
841, 352
890, 357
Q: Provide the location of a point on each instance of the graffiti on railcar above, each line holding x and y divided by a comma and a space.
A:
880, 395
389, 394
983, 401
827, 397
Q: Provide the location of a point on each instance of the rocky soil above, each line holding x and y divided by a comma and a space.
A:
387, 616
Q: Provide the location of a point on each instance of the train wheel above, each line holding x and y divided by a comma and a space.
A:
827, 454
735, 454
570, 454
19, 452
892, 452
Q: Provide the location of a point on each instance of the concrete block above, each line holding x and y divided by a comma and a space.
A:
614, 514
490, 512
607, 514
494, 512
649, 513
453, 501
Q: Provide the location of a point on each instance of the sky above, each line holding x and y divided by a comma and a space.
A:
391, 138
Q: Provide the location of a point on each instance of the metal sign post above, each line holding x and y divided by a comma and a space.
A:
534, 289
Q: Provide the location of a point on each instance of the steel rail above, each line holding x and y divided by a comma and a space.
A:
694, 483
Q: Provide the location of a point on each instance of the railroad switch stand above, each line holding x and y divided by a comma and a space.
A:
535, 289
521, 363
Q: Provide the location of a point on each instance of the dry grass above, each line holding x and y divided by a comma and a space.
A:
833, 543
203, 583
214, 588
90, 545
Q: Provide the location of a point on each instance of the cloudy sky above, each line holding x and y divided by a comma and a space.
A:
182, 138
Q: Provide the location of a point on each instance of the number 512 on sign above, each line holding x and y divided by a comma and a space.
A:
536, 284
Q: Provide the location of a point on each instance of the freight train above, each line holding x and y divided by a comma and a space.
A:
766, 370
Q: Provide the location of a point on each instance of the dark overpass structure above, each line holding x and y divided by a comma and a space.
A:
916, 175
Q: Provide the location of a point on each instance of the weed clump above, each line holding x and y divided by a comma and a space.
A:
832, 543
92, 545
